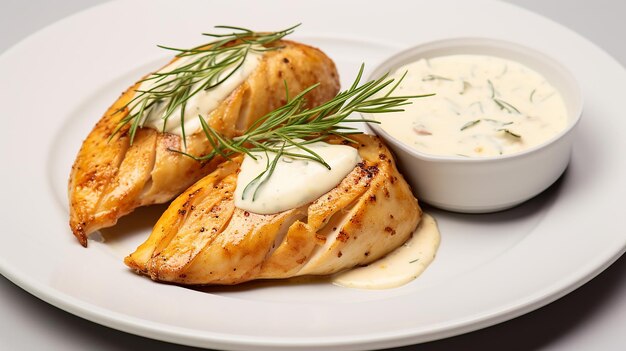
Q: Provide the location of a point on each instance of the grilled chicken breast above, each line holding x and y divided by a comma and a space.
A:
110, 178
203, 238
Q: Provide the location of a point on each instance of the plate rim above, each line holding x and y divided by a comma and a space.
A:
96, 314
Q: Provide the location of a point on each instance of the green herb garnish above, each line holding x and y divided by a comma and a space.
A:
295, 126
205, 67
508, 132
466, 86
470, 124
503, 105
493, 89
504, 71
431, 77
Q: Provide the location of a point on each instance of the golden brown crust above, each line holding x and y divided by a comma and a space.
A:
371, 212
109, 179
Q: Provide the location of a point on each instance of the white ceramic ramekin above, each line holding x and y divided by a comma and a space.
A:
486, 184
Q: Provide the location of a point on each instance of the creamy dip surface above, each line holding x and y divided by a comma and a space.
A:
295, 181
202, 103
400, 266
484, 106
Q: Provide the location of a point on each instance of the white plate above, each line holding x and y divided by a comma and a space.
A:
490, 268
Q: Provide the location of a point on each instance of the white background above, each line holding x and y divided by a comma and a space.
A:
590, 318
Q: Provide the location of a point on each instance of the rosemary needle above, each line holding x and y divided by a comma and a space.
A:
508, 132
293, 126
470, 124
205, 67
503, 105
431, 77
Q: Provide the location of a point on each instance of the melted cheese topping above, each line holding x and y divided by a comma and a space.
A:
401, 265
484, 106
294, 182
201, 103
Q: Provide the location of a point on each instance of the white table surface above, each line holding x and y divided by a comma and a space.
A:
591, 318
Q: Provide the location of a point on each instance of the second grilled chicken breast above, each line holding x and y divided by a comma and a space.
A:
111, 177
203, 238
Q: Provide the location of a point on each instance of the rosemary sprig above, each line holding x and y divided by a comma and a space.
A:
288, 130
203, 68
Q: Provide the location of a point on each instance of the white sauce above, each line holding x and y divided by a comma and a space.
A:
295, 182
202, 103
484, 106
401, 265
